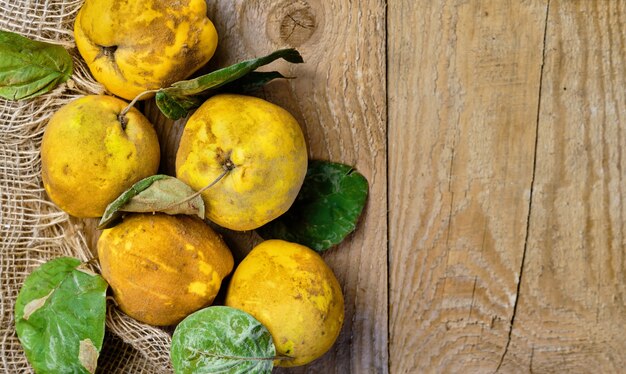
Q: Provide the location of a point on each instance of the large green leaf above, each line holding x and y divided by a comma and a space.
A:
59, 317
326, 210
176, 101
157, 193
30, 68
221, 339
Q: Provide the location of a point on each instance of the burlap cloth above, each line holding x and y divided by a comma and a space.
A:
32, 230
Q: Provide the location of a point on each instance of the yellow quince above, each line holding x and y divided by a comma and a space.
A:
91, 153
134, 46
260, 146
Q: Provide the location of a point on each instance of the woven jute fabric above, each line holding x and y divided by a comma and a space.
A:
33, 230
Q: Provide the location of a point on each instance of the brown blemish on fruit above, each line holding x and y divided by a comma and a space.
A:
107, 52
150, 265
223, 158
122, 120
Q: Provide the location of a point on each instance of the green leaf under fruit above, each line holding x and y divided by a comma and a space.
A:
30, 68
59, 317
177, 100
221, 339
158, 193
326, 210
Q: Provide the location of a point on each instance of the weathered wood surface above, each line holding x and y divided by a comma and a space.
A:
571, 313
506, 222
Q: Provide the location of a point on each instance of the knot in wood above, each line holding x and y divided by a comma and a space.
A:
297, 22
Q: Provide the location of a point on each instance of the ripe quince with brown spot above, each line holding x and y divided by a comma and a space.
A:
262, 148
162, 268
139, 45
291, 291
91, 153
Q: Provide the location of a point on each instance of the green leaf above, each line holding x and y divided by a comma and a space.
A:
59, 317
176, 106
176, 101
252, 82
158, 193
231, 73
113, 210
30, 68
221, 339
326, 210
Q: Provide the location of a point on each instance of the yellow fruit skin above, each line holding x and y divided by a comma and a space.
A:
157, 42
292, 292
265, 144
162, 268
88, 159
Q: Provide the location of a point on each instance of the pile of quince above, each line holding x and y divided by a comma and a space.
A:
241, 164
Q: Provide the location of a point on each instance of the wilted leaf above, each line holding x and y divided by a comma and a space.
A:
326, 210
221, 339
58, 310
167, 195
158, 193
30, 68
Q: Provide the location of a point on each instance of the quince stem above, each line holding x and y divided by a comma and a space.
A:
131, 104
228, 166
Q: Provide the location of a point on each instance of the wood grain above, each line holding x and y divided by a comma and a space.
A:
506, 193
572, 310
463, 82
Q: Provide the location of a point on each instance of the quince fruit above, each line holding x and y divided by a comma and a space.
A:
291, 291
162, 268
261, 148
134, 46
90, 154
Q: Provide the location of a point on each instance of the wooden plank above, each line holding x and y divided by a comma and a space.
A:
464, 81
339, 97
572, 310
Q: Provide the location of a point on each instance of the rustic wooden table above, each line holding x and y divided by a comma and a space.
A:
506, 193
491, 135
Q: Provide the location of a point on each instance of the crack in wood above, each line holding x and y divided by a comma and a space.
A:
473, 296
532, 355
530, 198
